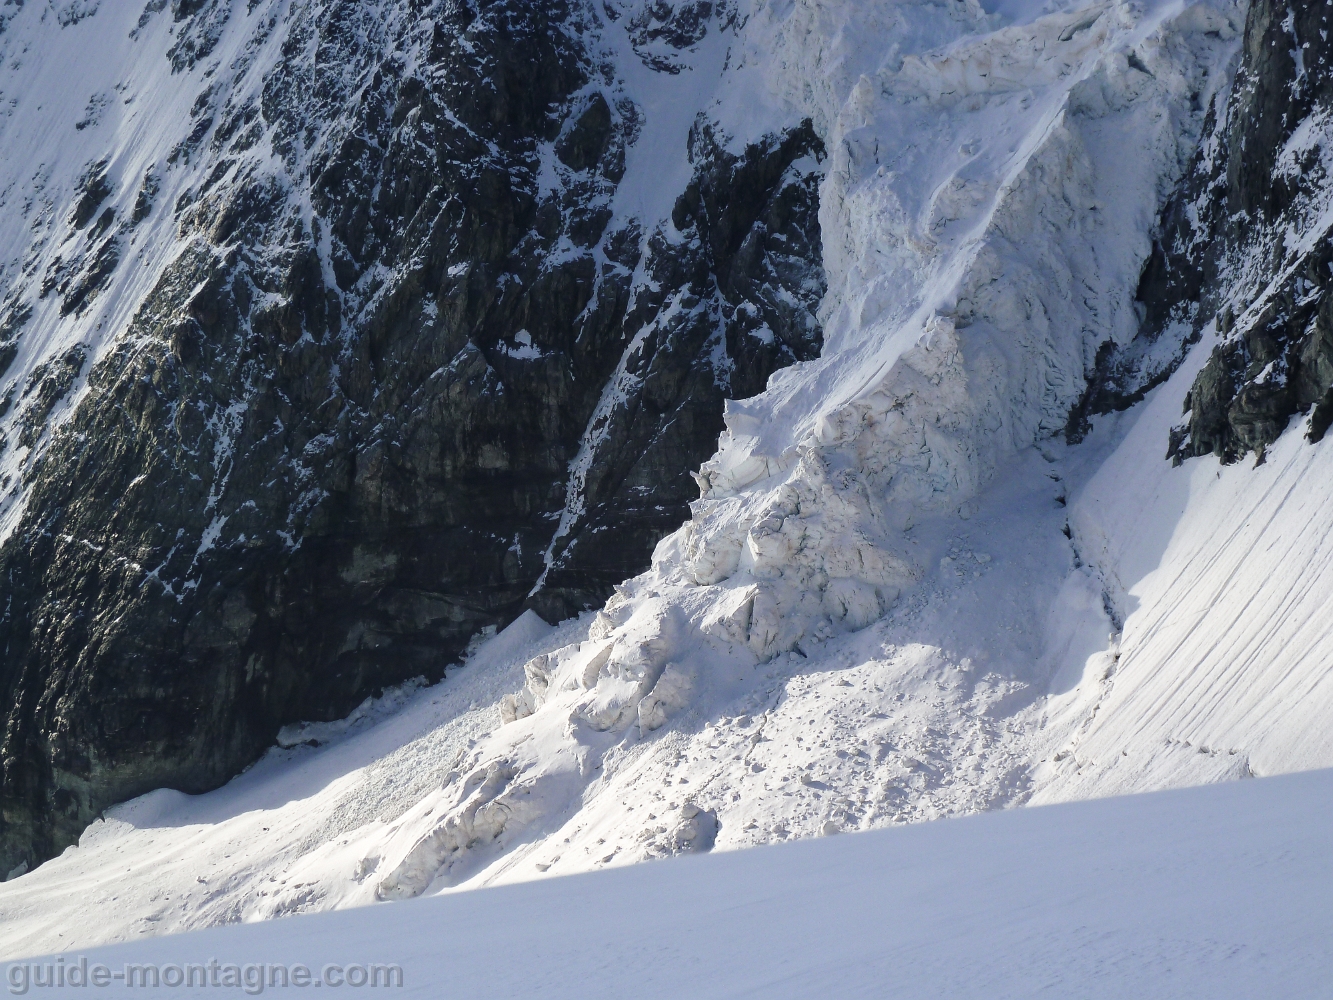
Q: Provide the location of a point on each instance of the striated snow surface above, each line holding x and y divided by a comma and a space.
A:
900, 597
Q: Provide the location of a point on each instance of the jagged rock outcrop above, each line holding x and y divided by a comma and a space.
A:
409, 373
730, 297
1244, 255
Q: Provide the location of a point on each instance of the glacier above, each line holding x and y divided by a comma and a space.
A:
905, 593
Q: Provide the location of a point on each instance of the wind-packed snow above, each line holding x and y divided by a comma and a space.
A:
899, 598
1211, 893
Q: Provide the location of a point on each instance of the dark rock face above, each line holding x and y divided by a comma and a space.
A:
660, 29
728, 304
387, 396
1244, 254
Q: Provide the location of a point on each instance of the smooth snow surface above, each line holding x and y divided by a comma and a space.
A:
900, 597
1209, 893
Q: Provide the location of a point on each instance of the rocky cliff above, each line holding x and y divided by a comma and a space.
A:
403, 362
1243, 257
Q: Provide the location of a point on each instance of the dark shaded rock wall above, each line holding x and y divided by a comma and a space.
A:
732, 297
1244, 254
389, 394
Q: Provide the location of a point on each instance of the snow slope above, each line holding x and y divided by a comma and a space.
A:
169, 862
1217, 892
900, 597
1221, 576
1008, 703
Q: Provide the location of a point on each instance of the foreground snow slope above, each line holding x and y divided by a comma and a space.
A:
1211, 893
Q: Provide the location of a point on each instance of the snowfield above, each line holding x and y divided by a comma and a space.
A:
901, 597
1208, 893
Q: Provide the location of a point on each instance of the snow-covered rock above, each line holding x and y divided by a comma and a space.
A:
336, 332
